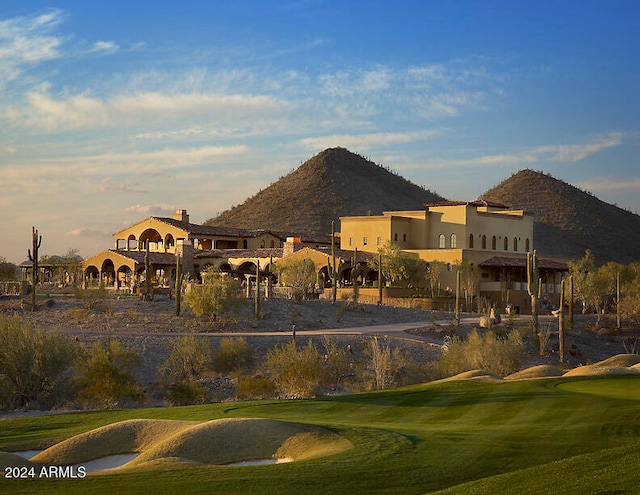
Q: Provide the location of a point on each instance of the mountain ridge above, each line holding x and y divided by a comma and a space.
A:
331, 184
568, 220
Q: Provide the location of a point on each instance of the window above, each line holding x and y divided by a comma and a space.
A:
454, 241
364, 241
527, 248
441, 241
350, 241
484, 241
470, 241
395, 237
404, 237
378, 241
515, 243
494, 242
506, 243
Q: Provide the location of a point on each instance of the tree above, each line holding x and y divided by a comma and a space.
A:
8, 271
218, 295
469, 282
297, 273
233, 354
434, 271
397, 265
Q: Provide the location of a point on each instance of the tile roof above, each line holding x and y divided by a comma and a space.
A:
503, 261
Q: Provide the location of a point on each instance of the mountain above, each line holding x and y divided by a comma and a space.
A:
568, 220
334, 183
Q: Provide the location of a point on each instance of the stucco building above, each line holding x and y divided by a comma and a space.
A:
489, 237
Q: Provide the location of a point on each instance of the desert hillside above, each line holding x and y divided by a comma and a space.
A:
333, 183
568, 220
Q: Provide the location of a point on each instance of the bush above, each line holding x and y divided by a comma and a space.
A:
34, 365
256, 388
218, 296
184, 393
105, 376
188, 361
296, 370
233, 354
386, 366
336, 365
498, 356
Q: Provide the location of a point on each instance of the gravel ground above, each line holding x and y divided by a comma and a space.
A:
148, 327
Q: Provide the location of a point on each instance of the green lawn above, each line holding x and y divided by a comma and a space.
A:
572, 435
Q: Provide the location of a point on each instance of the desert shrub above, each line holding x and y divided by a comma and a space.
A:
105, 376
183, 393
189, 360
295, 369
336, 365
256, 388
630, 308
218, 296
34, 365
500, 356
233, 354
385, 366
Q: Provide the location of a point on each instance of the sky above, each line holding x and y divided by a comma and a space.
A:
114, 111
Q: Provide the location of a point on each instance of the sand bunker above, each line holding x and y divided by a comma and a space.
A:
167, 444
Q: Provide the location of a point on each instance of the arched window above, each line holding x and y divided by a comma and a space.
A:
470, 241
262, 244
527, 248
484, 241
515, 243
245, 244
494, 242
454, 241
441, 241
506, 243
272, 243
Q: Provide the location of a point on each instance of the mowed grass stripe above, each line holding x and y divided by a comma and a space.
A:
410, 440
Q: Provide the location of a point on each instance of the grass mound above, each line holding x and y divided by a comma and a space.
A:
135, 435
472, 375
621, 364
11, 460
167, 443
541, 371
226, 441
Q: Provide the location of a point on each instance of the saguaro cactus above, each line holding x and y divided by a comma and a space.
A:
33, 256
533, 288
457, 310
570, 303
147, 275
333, 273
178, 283
256, 301
356, 271
561, 322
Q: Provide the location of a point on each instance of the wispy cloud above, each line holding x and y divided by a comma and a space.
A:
569, 153
366, 141
104, 47
28, 40
608, 184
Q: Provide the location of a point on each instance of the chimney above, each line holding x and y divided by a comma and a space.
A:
292, 244
184, 249
181, 215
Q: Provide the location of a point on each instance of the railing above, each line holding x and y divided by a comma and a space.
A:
10, 288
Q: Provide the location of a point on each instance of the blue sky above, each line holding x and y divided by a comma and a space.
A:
114, 111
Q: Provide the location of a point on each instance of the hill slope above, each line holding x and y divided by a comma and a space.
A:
568, 220
331, 184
